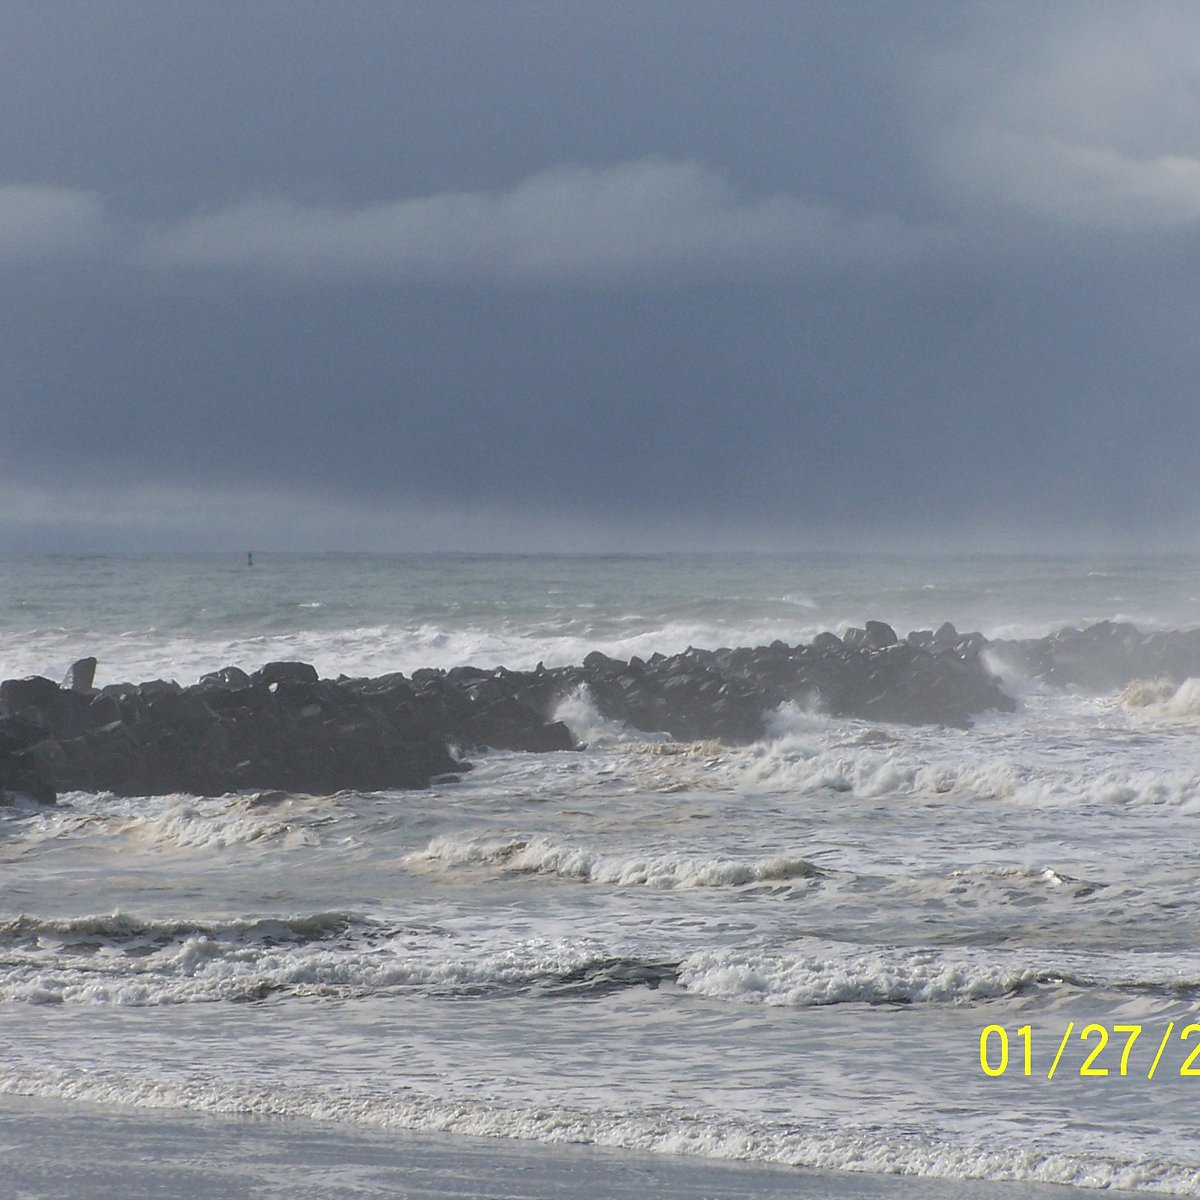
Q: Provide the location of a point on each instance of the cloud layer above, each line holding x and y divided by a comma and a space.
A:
44, 223
1086, 117
854, 266
636, 219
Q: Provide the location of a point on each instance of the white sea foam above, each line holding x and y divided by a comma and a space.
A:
830, 976
539, 855
1045, 877
176, 821
824, 1145
838, 973
1163, 697
579, 713
125, 961
185, 826
374, 649
1147, 693
1021, 762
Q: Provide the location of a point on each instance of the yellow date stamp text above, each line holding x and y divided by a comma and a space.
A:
1094, 1050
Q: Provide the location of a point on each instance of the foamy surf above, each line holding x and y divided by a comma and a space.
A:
826, 973
1163, 697
535, 855
124, 960
174, 822
827, 1146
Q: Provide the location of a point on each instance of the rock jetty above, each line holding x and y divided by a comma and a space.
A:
283, 727
1103, 657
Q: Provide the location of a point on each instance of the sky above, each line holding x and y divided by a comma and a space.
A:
599, 276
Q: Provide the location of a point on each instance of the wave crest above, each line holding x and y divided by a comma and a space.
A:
1164, 696
541, 856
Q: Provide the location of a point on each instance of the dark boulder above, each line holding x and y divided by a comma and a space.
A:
34, 692
879, 634
285, 672
80, 675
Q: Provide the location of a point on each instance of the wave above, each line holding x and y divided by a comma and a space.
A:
541, 856
807, 754
826, 1145
1163, 697
123, 960
839, 973
1016, 759
127, 961
579, 713
188, 827
120, 929
894, 770
173, 821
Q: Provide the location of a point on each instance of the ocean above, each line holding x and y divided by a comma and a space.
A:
850, 948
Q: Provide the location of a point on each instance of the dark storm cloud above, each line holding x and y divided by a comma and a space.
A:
478, 274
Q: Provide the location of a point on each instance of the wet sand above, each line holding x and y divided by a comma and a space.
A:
52, 1150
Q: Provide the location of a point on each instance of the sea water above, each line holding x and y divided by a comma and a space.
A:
791, 952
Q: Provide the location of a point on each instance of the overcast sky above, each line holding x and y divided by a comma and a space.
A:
598, 275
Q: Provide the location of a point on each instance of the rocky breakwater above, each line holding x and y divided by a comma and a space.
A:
284, 728
1104, 657
281, 727
926, 678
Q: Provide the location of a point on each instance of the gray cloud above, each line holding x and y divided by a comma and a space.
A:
818, 269
643, 219
1085, 184
39, 223
1086, 117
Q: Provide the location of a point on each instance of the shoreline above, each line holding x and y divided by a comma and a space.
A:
76, 1150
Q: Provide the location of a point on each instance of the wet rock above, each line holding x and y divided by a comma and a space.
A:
227, 677
34, 692
285, 672
1104, 657
80, 675
596, 661
879, 634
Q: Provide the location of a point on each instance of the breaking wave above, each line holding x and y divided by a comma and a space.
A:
826, 1145
840, 973
541, 856
176, 821
1163, 696
128, 961
124, 960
